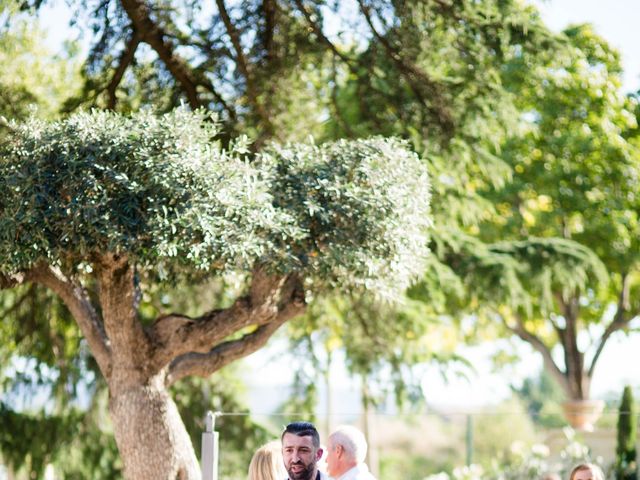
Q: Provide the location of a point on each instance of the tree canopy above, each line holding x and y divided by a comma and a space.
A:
575, 161
163, 192
33, 76
99, 206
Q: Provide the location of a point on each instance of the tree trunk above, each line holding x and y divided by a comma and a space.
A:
372, 453
327, 383
139, 363
151, 436
578, 381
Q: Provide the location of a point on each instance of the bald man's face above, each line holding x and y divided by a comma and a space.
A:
332, 459
337, 461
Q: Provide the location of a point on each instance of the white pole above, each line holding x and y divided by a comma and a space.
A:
210, 449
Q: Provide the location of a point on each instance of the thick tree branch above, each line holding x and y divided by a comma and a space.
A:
126, 58
269, 9
416, 77
140, 15
270, 299
245, 70
77, 300
234, 35
117, 293
204, 364
320, 34
536, 342
573, 357
619, 321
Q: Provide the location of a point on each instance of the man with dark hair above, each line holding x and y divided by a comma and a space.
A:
301, 451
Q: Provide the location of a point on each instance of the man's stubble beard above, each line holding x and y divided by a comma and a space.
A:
306, 474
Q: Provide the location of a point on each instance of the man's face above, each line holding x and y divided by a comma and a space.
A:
300, 456
332, 459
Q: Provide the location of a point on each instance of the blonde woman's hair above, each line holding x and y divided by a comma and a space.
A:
595, 470
267, 463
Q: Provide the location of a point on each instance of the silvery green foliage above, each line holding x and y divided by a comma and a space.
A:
363, 208
161, 190
157, 188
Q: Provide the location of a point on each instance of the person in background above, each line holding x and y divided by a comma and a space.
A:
301, 451
347, 451
586, 471
551, 476
266, 463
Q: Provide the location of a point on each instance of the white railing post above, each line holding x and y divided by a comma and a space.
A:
210, 448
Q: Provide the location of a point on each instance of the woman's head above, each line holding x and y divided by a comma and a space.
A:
586, 471
267, 463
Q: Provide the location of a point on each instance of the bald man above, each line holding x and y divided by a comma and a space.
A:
347, 449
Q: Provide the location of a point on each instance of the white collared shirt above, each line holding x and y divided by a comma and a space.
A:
359, 472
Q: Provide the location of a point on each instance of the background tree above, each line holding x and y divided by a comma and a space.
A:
32, 76
542, 397
570, 212
626, 467
40, 353
385, 349
431, 72
98, 206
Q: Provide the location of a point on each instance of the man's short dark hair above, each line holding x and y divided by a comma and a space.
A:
303, 429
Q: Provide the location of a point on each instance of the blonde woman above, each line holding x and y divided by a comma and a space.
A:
586, 471
267, 463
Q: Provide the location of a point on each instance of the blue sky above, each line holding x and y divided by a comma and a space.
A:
616, 20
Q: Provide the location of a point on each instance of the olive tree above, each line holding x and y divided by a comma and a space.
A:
99, 206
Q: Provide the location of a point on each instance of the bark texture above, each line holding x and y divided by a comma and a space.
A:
151, 436
141, 362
